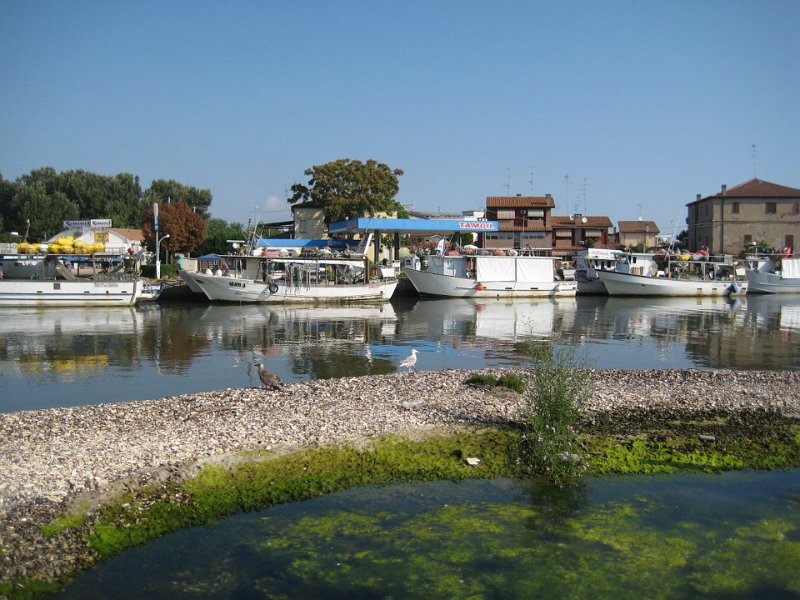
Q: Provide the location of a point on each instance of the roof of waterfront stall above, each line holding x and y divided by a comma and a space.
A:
411, 225
300, 243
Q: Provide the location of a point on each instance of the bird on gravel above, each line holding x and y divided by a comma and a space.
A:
410, 361
270, 380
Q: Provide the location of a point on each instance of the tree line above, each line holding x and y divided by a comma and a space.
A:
35, 205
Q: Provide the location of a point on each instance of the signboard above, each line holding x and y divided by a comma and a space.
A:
91, 223
477, 225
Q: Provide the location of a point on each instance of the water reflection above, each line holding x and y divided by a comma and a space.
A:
114, 354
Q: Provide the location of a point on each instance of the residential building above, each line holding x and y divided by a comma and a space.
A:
578, 232
524, 221
638, 233
753, 213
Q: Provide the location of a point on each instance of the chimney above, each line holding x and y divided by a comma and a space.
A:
698, 197
724, 189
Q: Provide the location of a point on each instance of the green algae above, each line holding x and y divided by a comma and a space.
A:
263, 480
614, 549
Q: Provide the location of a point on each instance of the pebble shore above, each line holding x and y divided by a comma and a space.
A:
49, 459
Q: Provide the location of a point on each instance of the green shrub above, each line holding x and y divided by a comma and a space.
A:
548, 444
512, 381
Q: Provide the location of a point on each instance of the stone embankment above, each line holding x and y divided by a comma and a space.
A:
49, 459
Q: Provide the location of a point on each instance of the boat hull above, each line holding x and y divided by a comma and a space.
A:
222, 288
760, 282
47, 293
434, 284
629, 284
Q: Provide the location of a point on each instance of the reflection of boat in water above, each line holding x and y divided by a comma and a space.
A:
495, 319
291, 320
768, 312
35, 322
257, 314
70, 340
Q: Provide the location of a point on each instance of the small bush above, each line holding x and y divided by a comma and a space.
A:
548, 445
511, 381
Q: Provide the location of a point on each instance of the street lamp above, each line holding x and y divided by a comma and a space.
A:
158, 255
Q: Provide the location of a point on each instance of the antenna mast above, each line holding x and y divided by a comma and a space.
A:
755, 155
508, 181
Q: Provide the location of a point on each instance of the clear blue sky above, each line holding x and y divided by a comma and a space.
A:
617, 108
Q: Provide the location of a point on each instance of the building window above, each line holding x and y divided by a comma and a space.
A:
771, 208
506, 214
735, 208
747, 240
789, 242
796, 208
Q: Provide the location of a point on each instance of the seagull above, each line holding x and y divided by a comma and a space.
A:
270, 380
410, 361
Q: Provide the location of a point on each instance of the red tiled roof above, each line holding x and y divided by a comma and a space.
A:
757, 188
638, 227
591, 222
520, 202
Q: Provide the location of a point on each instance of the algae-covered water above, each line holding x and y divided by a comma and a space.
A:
680, 536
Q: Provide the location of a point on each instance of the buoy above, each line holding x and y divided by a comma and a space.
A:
480, 287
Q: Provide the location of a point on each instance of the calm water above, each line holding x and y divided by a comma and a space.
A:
69, 357
734, 535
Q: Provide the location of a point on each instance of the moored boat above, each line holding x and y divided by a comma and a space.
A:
678, 275
488, 276
773, 275
270, 279
591, 260
50, 280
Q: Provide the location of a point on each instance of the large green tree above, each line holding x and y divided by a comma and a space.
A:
45, 198
218, 233
168, 191
348, 188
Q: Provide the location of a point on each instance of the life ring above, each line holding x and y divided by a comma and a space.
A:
273, 287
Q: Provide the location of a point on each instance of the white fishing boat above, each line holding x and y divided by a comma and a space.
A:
51, 280
270, 279
591, 260
487, 276
773, 275
678, 275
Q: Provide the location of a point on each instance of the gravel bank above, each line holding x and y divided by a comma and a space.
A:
49, 458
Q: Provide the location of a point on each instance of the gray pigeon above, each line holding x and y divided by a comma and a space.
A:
270, 380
